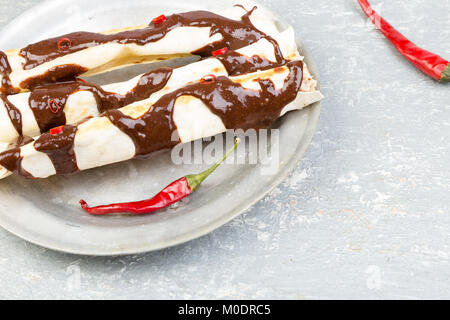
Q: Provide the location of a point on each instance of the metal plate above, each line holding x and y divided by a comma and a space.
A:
46, 212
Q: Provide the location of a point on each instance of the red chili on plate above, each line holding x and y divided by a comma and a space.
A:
171, 194
160, 19
429, 63
210, 78
64, 43
220, 52
54, 106
56, 130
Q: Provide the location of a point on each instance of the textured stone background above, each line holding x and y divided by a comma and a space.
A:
365, 215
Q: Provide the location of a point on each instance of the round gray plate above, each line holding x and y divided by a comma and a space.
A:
46, 212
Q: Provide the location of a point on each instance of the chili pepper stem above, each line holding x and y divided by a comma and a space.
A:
446, 75
194, 180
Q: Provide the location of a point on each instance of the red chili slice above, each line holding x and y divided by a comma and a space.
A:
81, 80
64, 43
210, 78
51, 104
220, 52
159, 19
57, 130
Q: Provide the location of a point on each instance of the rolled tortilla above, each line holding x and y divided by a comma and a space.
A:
88, 53
79, 103
250, 100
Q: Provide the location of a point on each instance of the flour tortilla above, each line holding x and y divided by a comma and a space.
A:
98, 142
82, 104
176, 43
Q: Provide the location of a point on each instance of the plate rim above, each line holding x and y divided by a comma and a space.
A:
284, 172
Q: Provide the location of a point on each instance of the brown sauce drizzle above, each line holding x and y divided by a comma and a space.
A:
237, 107
5, 70
40, 97
61, 73
235, 33
14, 114
20, 141
59, 148
237, 64
149, 83
11, 160
39, 102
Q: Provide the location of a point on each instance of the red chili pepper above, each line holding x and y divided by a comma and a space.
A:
159, 19
64, 43
171, 194
210, 78
51, 105
431, 64
56, 130
80, 80
220, 52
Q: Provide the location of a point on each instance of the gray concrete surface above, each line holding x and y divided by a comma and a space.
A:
365, 215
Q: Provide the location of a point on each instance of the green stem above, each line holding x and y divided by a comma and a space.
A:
446, 74
194, 180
